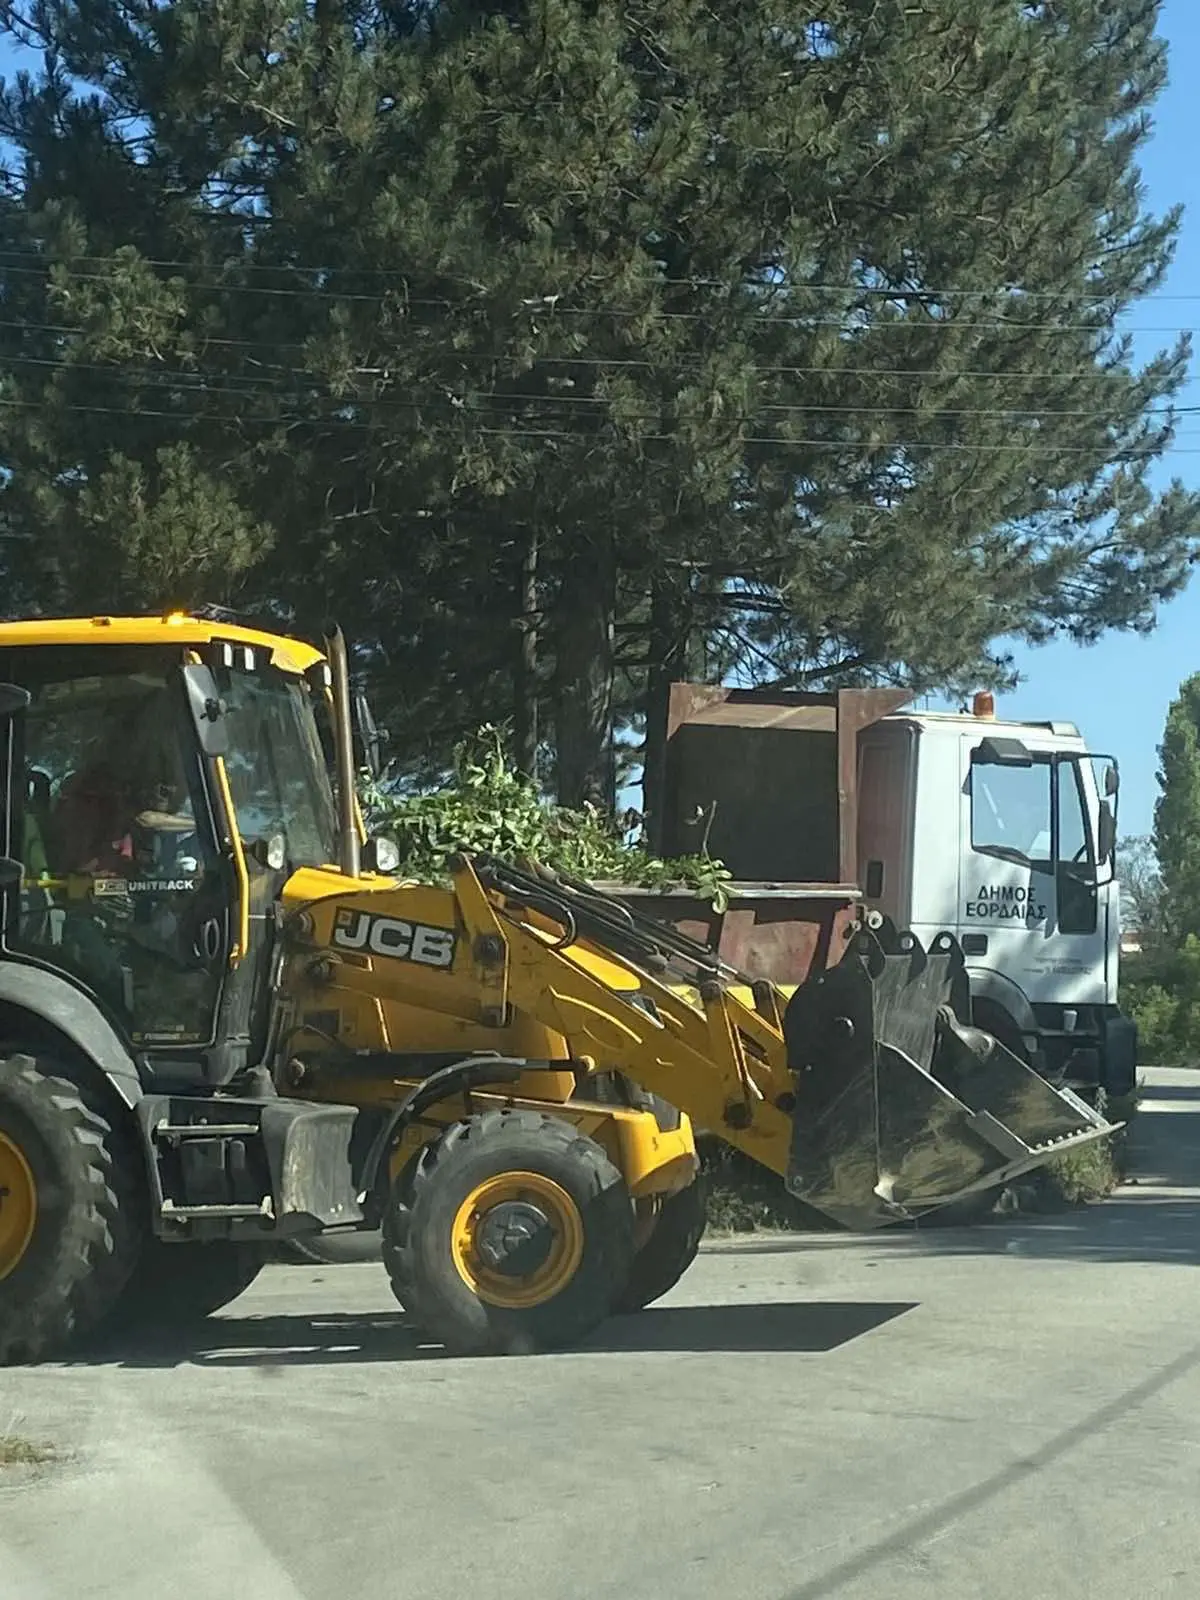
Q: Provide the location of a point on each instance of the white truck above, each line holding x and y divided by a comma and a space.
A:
1004, 834
1001, 833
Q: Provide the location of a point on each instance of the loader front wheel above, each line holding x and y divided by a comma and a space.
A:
71, 1208
668, 1249
512, 1233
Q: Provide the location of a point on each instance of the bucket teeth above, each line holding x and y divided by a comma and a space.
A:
902, 1106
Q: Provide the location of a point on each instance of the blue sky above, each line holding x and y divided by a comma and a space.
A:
1118, 690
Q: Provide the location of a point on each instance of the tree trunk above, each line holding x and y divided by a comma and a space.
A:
584, 648
668, 651
525, 680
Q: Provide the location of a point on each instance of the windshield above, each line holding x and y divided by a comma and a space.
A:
1012, 807
1010, 811
277, 770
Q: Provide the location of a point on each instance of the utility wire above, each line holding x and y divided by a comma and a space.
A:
641, 362
191, 381
548, 305
745, 284
1116, 453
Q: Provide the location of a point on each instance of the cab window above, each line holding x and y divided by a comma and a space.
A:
1011, 810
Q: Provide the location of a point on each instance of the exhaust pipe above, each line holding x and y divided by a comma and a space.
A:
350, 857
902, 1106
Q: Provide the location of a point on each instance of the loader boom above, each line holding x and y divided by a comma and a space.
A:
866, 1090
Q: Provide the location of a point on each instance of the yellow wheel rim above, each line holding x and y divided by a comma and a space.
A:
18, 1205
517, 1240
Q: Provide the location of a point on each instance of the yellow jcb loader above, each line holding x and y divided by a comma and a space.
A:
224, 1024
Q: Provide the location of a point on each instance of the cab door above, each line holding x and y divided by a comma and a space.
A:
123, 889
1030, 908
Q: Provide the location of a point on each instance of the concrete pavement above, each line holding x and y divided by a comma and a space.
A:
1010, 1410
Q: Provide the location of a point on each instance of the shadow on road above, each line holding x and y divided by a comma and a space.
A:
814, 1326
1124, 1229
328, 1338
324, 1338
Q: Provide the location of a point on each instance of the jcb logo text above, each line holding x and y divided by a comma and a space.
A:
389, 936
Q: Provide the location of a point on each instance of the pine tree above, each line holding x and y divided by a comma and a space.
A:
792, 344
1177, 813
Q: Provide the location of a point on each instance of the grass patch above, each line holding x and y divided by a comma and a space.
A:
744, 1197
1094, 1170
16, 1452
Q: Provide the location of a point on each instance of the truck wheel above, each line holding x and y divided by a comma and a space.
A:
512, 1233
670, 1248
72, 1208
177, 1284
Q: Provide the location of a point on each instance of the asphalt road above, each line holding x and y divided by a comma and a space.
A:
1006, 1411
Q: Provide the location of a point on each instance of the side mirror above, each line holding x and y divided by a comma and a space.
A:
369, 736
1106, 834
1112, 779
208, 712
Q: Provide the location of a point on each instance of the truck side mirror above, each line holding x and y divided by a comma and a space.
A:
1112, 779
208, 712
1106, 834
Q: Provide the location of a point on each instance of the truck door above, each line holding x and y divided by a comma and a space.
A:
1007, 884
1030, 917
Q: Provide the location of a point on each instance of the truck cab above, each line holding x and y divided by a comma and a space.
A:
828, 808
1003, 832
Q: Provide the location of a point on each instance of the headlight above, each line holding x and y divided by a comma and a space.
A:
381, 855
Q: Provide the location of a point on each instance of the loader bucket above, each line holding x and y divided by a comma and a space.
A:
901, 1105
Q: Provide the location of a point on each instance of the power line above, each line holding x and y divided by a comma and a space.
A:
458, 357
548, 305
249, 384
485, 404
1116, 454
746, 283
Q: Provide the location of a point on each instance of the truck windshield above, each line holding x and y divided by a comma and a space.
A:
1010, 811
1032, 814
277, 771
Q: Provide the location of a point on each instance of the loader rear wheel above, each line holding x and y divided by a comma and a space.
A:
177, 1284
71, 1208
512, 1233
669, 1249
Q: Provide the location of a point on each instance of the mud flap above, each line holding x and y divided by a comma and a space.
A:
901, 1105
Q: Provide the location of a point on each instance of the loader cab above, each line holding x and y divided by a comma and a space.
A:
157, 820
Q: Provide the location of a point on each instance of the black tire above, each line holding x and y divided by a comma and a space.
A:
418, 1234
995, 1020
174, 1285
670, 1248
90, 1207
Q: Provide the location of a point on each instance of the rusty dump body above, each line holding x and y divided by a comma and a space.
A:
769, 786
